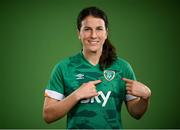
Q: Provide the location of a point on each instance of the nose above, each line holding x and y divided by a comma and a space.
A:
93, 34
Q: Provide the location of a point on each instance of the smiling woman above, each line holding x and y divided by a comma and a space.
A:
92, 34
92, 85
95, 17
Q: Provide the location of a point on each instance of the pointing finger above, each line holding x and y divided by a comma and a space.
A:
127, 80
96, 82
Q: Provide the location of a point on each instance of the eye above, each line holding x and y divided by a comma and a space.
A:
86, 29
100, 28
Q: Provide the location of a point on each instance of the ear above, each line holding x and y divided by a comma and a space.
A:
78, 33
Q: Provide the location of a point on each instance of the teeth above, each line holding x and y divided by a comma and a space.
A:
93, 41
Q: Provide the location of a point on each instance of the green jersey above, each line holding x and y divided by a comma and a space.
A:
99, 112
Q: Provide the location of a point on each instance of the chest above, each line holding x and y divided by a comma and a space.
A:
111, 81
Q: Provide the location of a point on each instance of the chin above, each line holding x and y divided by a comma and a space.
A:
93, 51
93, 48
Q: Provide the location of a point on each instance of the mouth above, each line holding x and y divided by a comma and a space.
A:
93, 42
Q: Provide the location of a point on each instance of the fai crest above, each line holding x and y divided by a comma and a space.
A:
109, 74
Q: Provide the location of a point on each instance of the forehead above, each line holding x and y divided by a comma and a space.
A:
91, 21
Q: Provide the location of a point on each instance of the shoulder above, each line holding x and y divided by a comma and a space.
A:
69, 61
121, 63
125, 68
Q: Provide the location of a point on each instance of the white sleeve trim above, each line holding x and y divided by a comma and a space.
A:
130, 97
54, 94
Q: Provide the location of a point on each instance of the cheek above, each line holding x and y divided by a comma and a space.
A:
103, 36
84, 36
84, 39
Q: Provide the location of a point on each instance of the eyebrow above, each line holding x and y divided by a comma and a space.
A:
91, 27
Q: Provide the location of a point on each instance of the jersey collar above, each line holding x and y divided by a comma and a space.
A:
86, 61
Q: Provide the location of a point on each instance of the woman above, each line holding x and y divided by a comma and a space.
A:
91, 86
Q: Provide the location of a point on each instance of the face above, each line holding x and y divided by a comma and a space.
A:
92, 34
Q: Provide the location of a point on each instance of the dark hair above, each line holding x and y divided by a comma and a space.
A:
109, 53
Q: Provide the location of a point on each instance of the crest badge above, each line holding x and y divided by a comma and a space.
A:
109, 74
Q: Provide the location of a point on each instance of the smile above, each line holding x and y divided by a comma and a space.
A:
93, 42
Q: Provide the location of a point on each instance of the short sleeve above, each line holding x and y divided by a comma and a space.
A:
55, 87
129, 74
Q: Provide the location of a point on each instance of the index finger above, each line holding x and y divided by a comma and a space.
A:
127, 80
95, 82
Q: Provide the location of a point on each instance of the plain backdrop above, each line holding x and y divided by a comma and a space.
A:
36, 34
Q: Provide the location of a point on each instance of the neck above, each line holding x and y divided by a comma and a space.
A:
92, 57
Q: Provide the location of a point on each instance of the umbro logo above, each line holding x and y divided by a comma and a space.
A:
80, 76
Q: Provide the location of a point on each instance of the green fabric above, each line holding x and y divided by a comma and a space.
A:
102, 111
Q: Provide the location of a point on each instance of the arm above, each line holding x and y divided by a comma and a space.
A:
138, 106
54, 109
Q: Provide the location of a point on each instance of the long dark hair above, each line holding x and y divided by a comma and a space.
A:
108, 55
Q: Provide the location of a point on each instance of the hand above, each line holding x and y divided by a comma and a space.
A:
87, 90
137, 89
